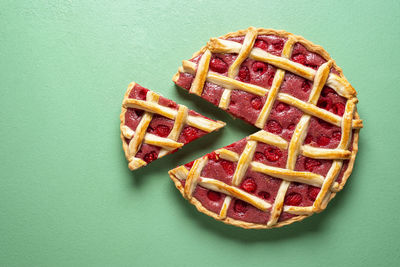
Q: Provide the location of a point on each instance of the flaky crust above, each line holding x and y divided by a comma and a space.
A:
312, 48
122, 119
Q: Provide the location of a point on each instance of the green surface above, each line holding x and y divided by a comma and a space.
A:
67, 197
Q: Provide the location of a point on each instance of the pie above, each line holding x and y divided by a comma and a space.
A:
153, 126
304, 153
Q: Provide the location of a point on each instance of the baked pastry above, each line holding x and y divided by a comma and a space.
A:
296, 93
153, 126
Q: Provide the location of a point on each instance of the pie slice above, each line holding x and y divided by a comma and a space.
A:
153, 126
305, 152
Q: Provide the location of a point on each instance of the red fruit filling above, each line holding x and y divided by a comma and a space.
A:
217, 65
306, 86
212, 156
324, 124
278, 45
338, 109
299, 58
190, 134
337, 136
149, 157
249, 185
308, 140
291, 127
213, 196
162, 130
281, 107
326, 91
256, 103
323, 140
258, 156
261, 44
313, 192
273, 154
240, 206
244, 74
270, 80
274, 127
264, 195
325, 103
138, 92
260, 67
228, 167
189, 165
293, 199
311, 164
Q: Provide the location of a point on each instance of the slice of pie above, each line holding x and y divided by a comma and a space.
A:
305, 152
153, 126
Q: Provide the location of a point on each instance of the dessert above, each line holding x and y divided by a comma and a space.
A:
292, 90
153, 126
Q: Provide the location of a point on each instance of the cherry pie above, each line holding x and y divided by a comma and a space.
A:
306, 109
153, 126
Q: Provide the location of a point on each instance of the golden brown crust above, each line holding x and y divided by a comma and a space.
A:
357, 123
122, 119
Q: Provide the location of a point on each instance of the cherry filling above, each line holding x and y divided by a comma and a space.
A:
245, 105
256, 103
338, 108
278, 45
308, 139
323, 134
274, 127
258, 156
228, 166
323, 140
149, 157
218, 65
306, 86
313, 192
304, 57
240, 206
273, 154
281, 107
249, 185
293, 199
260, 67
261, 44
244, 74
138, 92
189, 164
299, 58
190, 134
324, 124
325, 103
337, 135
311, 164
331, 101
271, 44
212, 156
213, 196
264, 195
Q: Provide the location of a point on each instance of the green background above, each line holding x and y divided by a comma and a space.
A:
67, 197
